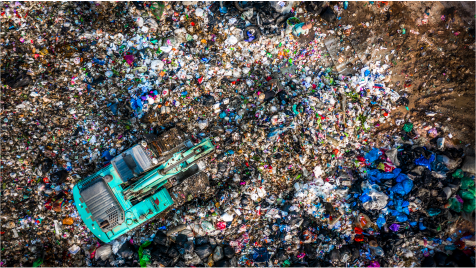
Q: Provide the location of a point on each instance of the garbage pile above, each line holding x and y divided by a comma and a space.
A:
297, 178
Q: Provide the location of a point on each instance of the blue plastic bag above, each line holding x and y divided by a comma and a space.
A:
421, 226
373, 155
422, 161
407, 185
260, 255
365, 198
381, 221
402, 187
376, 175
398, 189
401, 177
113, 108
433, 211
107, 155
402, 217
402, 206
100, 62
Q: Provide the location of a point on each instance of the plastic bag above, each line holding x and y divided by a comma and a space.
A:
143, 260
433, 211
468, 195
378, 200
381, 221
104, 252
251, 34
117, 243
458, 174
227, 217
467, 183
203, 251
328, 15
455, 205
282, 7
160, 238
407, 127
126, 250
376, 175
157, 9
74, 249
38, 262
207, 226
402, 218
221, 225
229, 252
469, 165
373, 155
422, 161
403, 187
260, 255
21, 81
469, 205
68, 221
392, 155
218, 253
181, 239
188, 247
202, 124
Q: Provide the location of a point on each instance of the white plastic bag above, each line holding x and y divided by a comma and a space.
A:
227, 217
74, 249
104, 252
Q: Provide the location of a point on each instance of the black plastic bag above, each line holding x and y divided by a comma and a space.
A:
428, 262
22, 81
46, 165
208, 100
222, 263
281, 20
440, 258
173, 253
181, 239
77, 131
402, 101
229, 252
314, 263
283, 97
59, 176
188, 247
268, 96
203, 251
160, 238
335, 255
329, 15
310, 251
315, 7
201, 240
126, 251
162, 249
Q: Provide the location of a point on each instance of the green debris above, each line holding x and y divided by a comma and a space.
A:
408, 127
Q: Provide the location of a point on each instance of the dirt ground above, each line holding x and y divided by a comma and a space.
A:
433, 62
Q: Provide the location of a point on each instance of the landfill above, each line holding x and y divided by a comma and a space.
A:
336, 142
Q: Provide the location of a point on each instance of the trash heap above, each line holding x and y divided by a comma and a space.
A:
297, 178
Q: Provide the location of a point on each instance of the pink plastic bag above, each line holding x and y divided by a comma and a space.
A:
221, 225
129, 59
